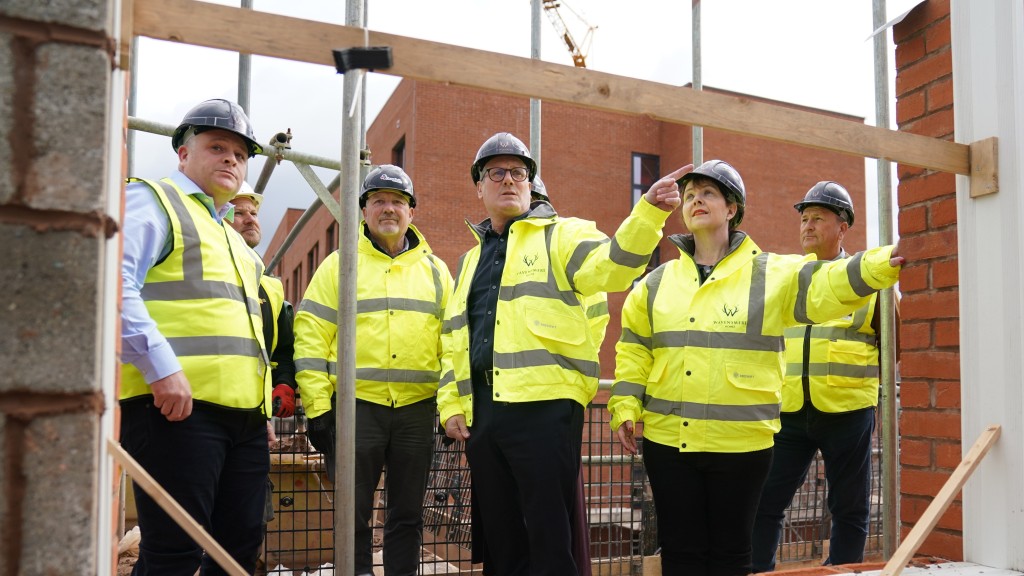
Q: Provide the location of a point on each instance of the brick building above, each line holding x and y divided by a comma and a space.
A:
595, 165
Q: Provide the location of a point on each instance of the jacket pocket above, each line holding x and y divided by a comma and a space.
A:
549, 325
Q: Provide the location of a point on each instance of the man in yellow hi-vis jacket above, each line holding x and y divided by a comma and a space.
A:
828, 401
195, 395
402, 290
524, 363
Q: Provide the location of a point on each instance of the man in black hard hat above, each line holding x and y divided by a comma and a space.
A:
828, 401
402, 290
524, 362
195, 387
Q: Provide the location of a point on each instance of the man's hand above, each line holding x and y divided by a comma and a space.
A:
665, 192
455, 427
271, 436
284, 401
896, 260
628, 434
173, 396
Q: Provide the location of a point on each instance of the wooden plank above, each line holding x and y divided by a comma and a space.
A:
174, 510
253, 32
984, 167
941, 502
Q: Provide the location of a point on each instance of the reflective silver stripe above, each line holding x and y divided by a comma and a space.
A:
314, 364
253, 306
579, 256
860, 287
653, 284
833, 369
447, 379
804, 287
214, 346
404, 304
538, 290
861, 316
438, 288
191, 257
720, 340
191, 288
623, 388
722, 412
596, 310
628, 259
397, 375
458, 271
630, 337
457, 322
465, 387
795, 331
836, 333
321, 311
756, 296
332, 369
534, 358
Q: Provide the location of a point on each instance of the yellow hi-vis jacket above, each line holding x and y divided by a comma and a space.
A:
545, 347
275, 293
701, 365
840, 361
400, 304
204, 299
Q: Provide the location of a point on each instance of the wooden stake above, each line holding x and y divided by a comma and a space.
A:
941, 502
174, 510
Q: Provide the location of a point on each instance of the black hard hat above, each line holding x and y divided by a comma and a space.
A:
831, 195
728, 180
217, 113
538, 190
387, 177
502, 144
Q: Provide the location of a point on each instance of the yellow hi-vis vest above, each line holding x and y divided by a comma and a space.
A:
701, 365
399, 308
275, 293
204, 300
545, 344
839, 358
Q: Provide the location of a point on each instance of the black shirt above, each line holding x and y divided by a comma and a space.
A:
483, 296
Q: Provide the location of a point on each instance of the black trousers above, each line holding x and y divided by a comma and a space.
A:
215, 464
706, 503
524, 458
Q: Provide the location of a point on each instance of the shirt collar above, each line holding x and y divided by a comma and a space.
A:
192, 189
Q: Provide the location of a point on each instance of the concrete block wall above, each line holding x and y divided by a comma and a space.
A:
56, 59
930, 361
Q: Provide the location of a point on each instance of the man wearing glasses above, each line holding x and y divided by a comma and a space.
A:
521, 364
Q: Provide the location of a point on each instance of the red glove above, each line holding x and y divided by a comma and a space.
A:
284, 401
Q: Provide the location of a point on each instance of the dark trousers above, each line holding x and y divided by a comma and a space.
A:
845, 443
705, 503
400, 440
524, 458
215, 464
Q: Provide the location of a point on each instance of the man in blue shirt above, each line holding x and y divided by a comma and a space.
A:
194, 391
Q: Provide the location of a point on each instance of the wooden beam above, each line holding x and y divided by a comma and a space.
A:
941, 503
984, 167
261, 33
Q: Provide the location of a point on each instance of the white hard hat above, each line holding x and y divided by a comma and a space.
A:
246, 191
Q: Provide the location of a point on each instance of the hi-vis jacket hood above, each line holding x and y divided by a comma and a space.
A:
545, 347
204, 297
702, 364
399, 307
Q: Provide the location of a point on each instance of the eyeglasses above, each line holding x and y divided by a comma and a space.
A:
498, 174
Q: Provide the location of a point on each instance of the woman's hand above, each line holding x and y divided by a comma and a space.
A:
628, 434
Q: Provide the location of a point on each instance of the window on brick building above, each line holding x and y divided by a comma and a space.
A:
331, 238
646, 171
312, 261
297, 283
398, 153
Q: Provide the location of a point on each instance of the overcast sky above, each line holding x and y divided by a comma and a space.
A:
809, 52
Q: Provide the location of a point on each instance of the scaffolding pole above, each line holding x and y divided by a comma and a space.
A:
887, 304
698, 85
535, 117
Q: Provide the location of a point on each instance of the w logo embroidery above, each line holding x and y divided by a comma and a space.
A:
730, 311
530, 260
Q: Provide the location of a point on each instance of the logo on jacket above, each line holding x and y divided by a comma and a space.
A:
530, 260
730, 311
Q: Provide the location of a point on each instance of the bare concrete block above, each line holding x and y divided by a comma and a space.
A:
88, 14
49, 340
3, 483
60, 506
6, 113
70, 130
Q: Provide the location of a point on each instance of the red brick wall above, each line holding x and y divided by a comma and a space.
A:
930, 362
